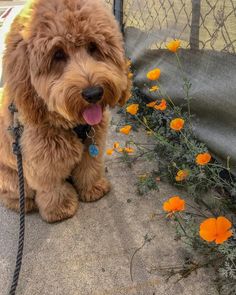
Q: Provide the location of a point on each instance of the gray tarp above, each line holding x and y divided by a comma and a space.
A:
208, 56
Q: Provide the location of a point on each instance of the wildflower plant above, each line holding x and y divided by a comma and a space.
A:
189, 165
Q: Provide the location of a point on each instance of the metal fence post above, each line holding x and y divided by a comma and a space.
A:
195, 24
118, 12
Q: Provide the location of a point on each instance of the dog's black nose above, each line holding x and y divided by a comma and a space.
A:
93, 94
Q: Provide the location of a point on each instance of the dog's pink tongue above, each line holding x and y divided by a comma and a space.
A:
93, 114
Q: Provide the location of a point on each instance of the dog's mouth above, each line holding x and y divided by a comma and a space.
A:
93, 114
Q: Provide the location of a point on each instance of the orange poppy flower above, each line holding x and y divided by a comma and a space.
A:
128, 62
120, 150
129, 150
109, 152
203, 159
181, 175
151, 104
116, 145
173, 45
216, 229
154, 88
174, 204
130, 75
132, 109
126, 129
162, 106
177, 124
154, 74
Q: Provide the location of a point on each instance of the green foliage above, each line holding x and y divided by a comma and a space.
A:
147, 183
179, 149
175, 151
229, 269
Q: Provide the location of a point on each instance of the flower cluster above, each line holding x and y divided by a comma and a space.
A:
126, 129
158, 106
173, 45
181, 175
177, 124
216, 230
119, 149
174, 204
154, 74
132, 109
185, 161
203, 159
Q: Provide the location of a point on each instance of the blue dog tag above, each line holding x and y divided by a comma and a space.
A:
93, 150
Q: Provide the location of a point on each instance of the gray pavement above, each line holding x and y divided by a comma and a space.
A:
90, 254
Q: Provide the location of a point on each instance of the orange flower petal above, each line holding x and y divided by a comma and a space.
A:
223, 224
181, 175
203, 159
208, 230
177, 124
216, 229
109, 152
116, 145
128, 63
151, 104
167, 207
162, 106
126, 129
173, 45
129, 150
174, 204
120, 150
178, 178
223, 237
130, 75
154, 88
154, 74
132, 109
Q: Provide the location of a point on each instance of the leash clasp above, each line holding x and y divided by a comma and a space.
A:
16, 129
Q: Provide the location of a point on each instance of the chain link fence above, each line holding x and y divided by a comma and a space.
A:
202, 24
109, 3
207, 30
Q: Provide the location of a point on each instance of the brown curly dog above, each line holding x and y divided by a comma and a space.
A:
64, 65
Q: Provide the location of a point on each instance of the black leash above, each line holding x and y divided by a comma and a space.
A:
17, 130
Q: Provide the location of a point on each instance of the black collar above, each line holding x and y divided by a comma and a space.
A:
82, 131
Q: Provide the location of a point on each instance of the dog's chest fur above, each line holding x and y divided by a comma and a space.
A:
42, 146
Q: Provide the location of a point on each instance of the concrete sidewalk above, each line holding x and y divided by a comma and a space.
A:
90, 254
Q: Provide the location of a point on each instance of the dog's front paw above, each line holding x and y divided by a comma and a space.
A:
65, 211
59, 204
96, 192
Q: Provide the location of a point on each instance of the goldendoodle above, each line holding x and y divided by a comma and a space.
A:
64, 65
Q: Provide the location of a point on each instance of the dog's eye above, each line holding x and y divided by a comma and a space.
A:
60, 55
92, 48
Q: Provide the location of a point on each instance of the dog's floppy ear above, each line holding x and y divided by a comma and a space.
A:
16, 74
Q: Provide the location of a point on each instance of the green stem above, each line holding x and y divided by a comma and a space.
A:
188, 143
228, 168
216, 165
157, 136
202, 214
180, 224
219, 178
165, 94
186, 85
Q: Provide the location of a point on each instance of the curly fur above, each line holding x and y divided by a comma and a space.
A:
47, 93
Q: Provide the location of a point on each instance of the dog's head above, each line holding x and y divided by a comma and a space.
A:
66, 57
